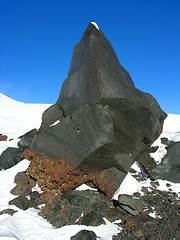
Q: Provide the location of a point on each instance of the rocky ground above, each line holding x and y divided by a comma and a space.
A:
165, 224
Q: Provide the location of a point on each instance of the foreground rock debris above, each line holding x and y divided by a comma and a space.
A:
99, 125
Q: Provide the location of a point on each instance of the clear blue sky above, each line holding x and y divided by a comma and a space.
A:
37, 38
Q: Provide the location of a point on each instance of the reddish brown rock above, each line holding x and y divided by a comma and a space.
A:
108, 181
139, 218
3, 138
57, 175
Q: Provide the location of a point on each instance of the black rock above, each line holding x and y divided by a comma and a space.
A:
81, 207
169, 168
91, 219
8, 211
10, 157
51, 115
108, 122
26, 139
95, 73
131, 204
21, 177
36, 197
84, 235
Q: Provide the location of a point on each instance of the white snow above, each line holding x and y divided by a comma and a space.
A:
55, 123
15, 120
171, 130
95, 24
85, 187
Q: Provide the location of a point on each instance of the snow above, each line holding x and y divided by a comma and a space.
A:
85, 187
18, 118
95, 24
171, 130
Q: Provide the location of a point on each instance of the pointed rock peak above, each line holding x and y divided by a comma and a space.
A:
95, 24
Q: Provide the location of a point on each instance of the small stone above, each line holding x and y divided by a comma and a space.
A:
144, 190
84, 235
153, 185
10, 157
20, 202
21, 177
21, 189
8, 211
133, 203
132, 171
3, 138
130, 223
168, 185
164, 141
157, 183
137, 194
91, 219
137, 233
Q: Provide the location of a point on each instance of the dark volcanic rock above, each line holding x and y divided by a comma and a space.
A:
84, 235
21, 202
51, 115
163, 225
26, 139
169, 168
21, 189
79, 207
8, 211
94, 74
10, 157
107, 122
131, 204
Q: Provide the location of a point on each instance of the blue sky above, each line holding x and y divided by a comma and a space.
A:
37, 38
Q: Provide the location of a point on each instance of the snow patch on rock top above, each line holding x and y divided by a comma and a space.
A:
95, 24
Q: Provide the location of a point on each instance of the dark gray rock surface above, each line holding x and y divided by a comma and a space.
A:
8, 211
51, 115
10, 157
169, 168
81, 207
84, 235
132, 202
26, 139
107, 121
21, 202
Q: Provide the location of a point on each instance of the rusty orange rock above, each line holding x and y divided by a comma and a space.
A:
54, 174
108, 180
3, 138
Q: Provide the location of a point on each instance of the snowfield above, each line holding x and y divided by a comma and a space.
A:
16, 119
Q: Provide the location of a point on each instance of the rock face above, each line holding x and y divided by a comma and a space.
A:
169, 168
104, 124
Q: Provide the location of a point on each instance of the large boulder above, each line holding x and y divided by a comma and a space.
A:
107, 122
